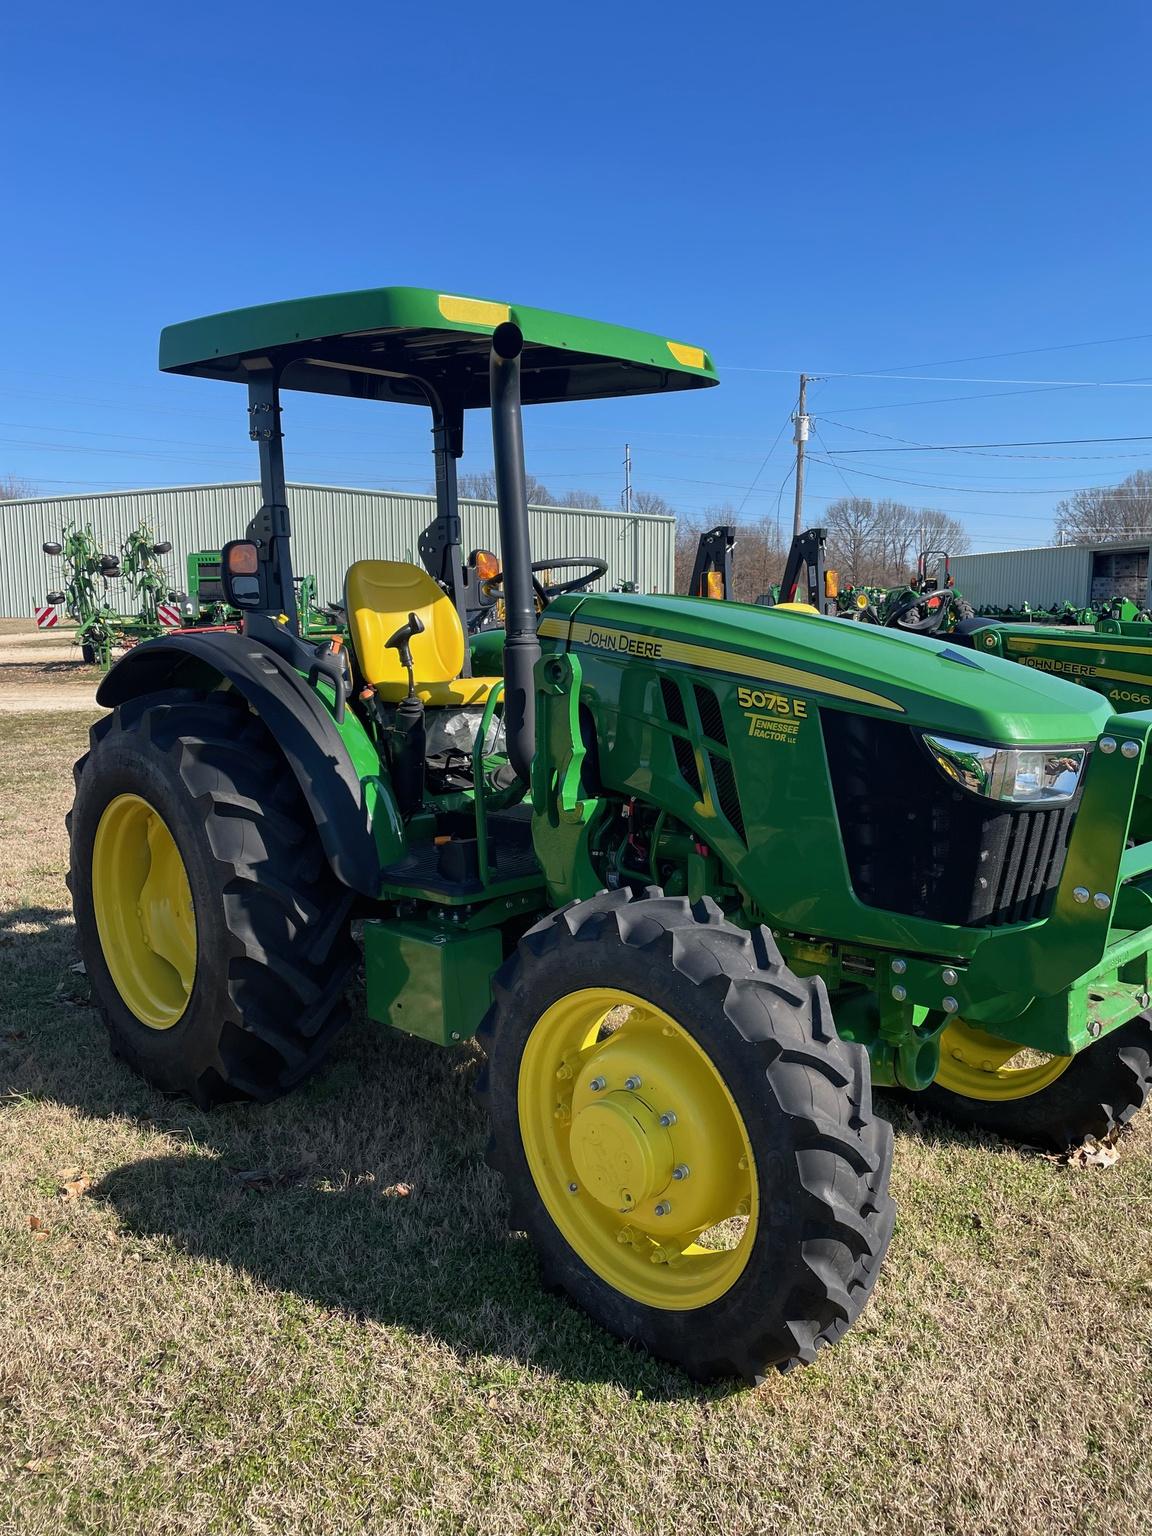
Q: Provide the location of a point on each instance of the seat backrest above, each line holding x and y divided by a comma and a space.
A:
379, 596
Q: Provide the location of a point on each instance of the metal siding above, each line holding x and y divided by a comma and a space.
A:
332, 526
1038, 576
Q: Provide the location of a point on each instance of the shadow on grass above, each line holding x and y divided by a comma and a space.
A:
365, 1192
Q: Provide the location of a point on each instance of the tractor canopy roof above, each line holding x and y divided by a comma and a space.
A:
376, 343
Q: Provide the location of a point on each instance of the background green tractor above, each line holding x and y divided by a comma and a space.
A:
206, 603
696, 874
1112, 656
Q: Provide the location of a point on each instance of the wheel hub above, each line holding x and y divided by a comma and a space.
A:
144, 911
621, 1152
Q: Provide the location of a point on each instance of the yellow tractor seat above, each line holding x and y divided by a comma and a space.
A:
379, 595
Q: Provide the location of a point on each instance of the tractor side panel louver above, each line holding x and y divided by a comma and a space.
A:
681, 746
711, 715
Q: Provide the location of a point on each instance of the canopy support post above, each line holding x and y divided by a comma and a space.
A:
271, 528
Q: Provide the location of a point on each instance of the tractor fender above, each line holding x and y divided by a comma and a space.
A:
293, 712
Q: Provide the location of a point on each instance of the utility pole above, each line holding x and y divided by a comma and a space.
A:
800, 438
626, 502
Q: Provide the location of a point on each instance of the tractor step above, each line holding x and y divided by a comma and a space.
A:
450, 871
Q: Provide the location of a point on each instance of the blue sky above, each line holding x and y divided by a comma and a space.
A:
844, 188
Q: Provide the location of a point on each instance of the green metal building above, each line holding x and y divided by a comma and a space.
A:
1084, 575
331, 525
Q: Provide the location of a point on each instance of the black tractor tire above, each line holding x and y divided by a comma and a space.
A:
1096, 1095
822, 1158
962, 609
88, 653
274, 951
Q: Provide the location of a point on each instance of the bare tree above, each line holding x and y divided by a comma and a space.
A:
477, 485
14, 488
1100, 514
480, 485
587, 499
880, 541
649, 504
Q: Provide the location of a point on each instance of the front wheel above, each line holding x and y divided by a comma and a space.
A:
994, 1085
684, 1136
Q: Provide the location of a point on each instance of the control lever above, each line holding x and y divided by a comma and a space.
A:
407, 739
401, 641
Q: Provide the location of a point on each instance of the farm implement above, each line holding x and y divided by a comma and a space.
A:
86, 574
694, 874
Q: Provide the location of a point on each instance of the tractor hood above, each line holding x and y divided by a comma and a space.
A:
933, 684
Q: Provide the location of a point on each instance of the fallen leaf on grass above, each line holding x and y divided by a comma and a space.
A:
74, 1182
78, 969
36, 1227
37, 1464
1091, 1153
399, 1191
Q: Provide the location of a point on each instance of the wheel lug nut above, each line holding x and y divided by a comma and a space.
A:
572, 1188
681, 1171
668, 1118
632, 1083
597, 1084
664, 1208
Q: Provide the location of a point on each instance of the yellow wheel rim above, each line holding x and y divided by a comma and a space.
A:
144, 911
980, 1066
637, 1148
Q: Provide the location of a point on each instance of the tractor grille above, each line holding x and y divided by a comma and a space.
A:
918, 846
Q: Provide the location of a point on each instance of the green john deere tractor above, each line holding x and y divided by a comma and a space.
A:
695, 874
1113, 656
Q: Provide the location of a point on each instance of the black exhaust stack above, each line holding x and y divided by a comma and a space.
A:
521, 647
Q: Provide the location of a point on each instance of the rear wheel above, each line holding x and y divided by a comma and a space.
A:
1050, 1101
683, 1134
214, 935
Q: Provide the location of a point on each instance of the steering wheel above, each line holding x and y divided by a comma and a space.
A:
545, 591
923, 614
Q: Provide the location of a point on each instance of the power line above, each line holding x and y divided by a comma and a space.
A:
1064, 346
947, 378
962, 490
914, 447
764, 463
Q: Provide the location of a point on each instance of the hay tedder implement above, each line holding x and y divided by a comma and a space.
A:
86, 574
694, 874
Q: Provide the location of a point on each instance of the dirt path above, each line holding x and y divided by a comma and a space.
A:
38, 673
33, 648
22, 699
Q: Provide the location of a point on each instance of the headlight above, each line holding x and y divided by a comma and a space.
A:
1022, 775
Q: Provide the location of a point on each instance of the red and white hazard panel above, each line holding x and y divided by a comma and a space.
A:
47, 617
168, 615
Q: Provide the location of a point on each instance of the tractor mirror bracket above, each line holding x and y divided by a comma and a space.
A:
240, 575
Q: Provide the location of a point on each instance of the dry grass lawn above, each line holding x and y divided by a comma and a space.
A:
245, 1324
